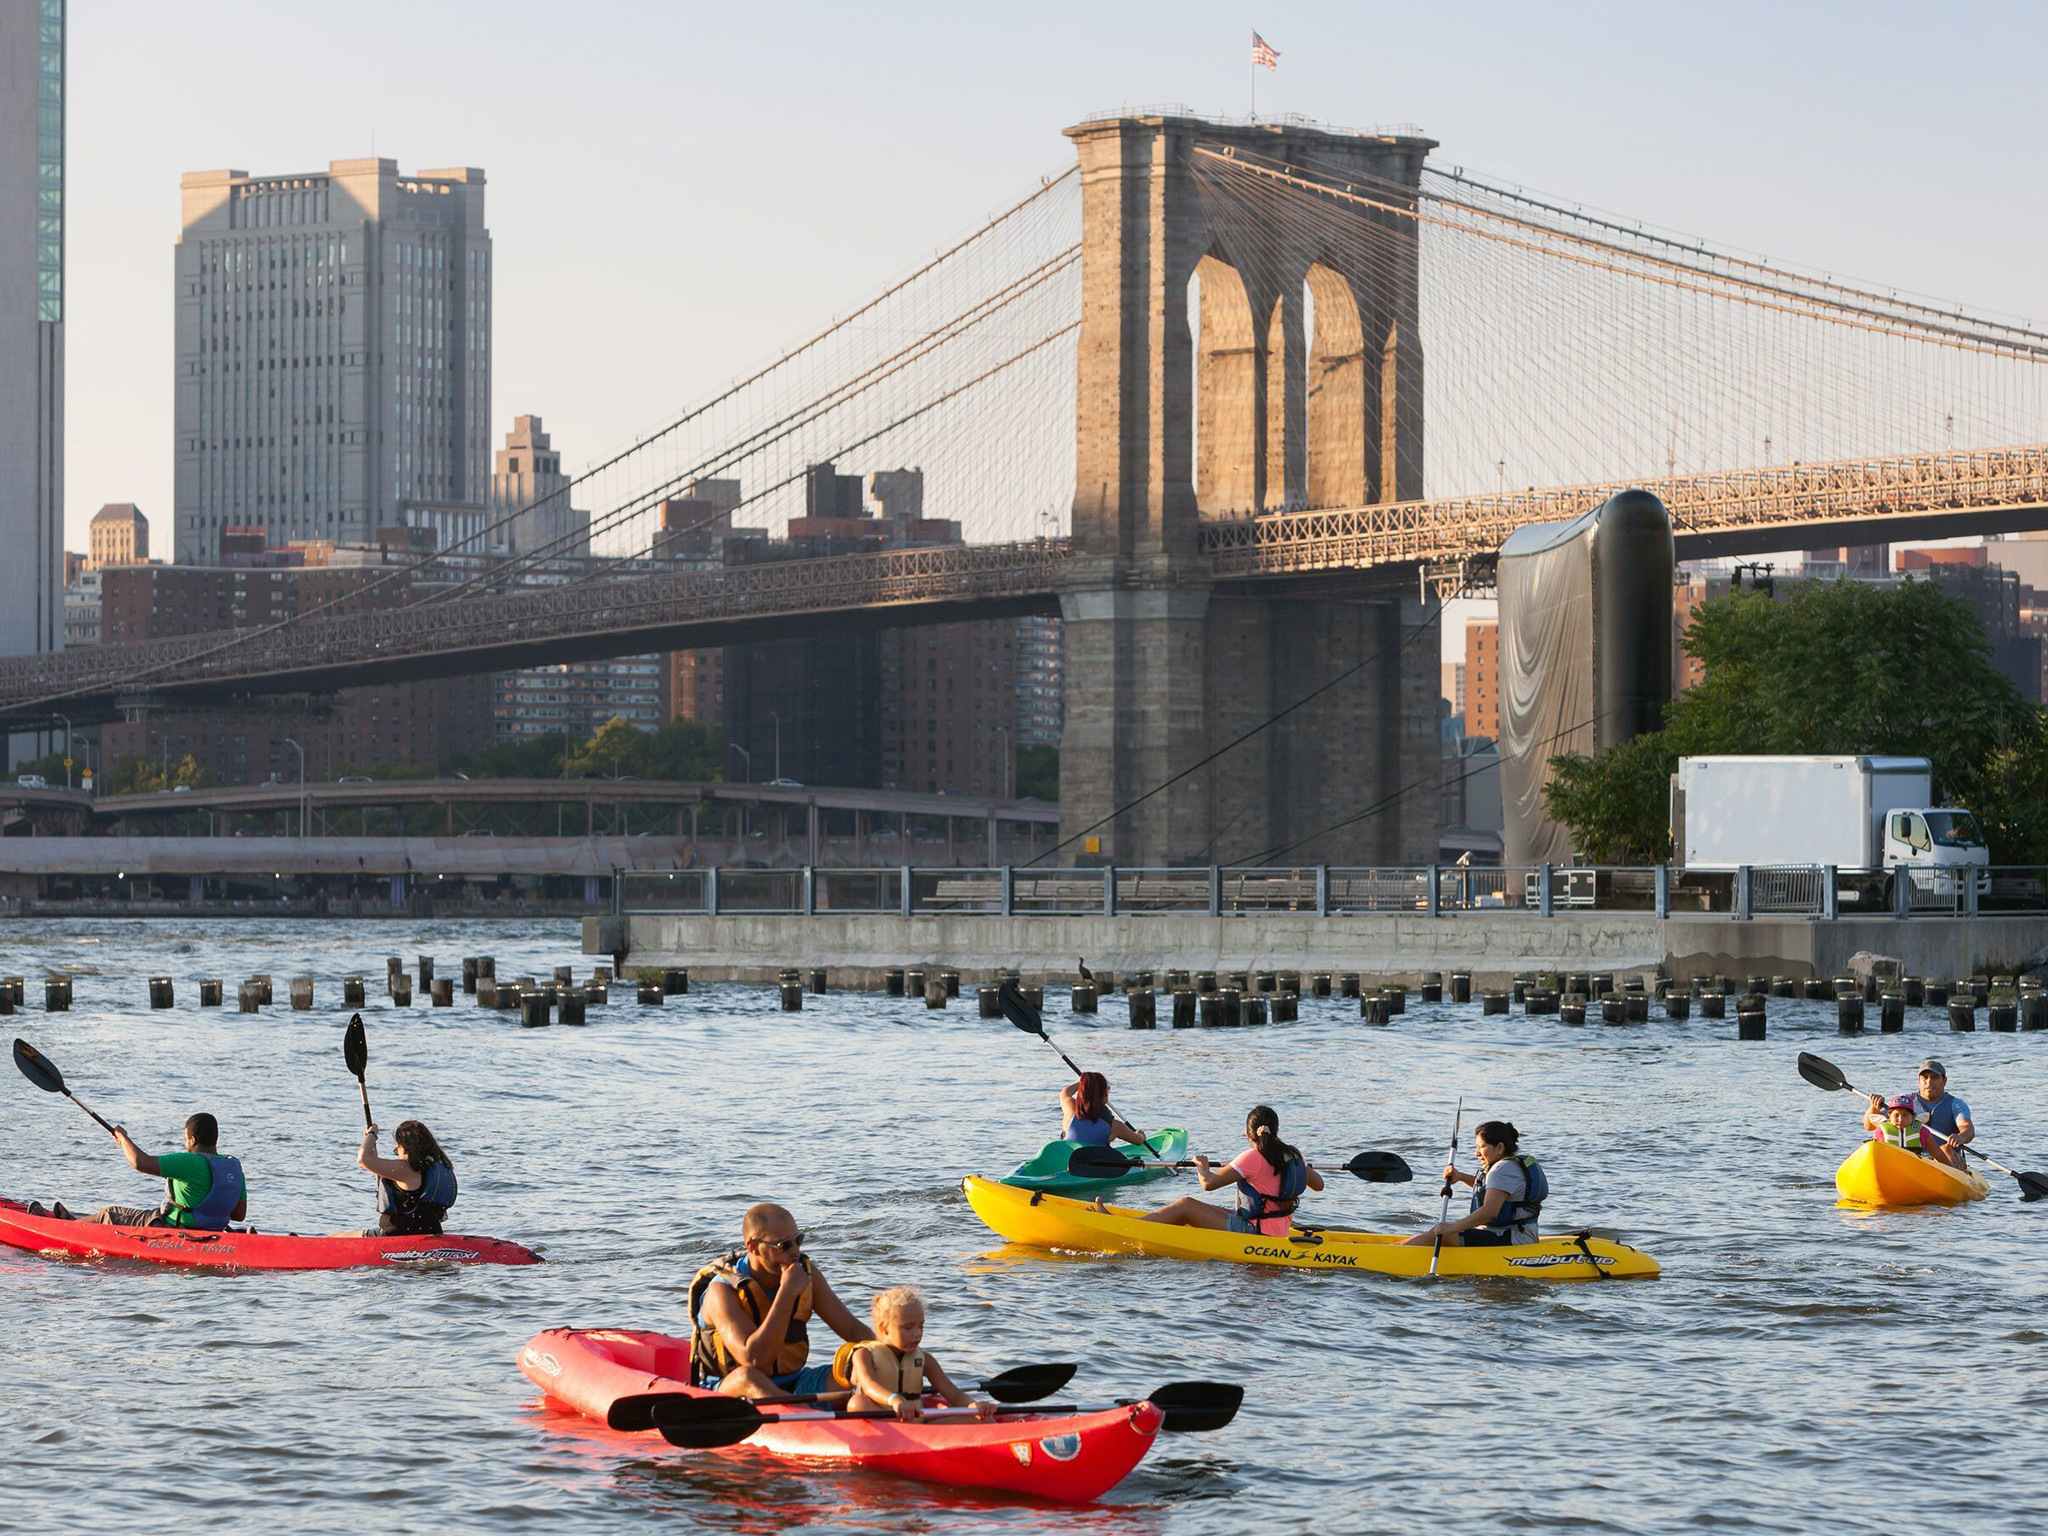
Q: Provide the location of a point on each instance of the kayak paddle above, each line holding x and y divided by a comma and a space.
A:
42, 1071
1025, 1384
1825, 1075
1436, 1249
1026, 1018
706, 1423
1107, 1162
355, 1050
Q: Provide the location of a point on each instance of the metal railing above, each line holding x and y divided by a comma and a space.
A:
1435, 890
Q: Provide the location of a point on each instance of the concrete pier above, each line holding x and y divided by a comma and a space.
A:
1492, 946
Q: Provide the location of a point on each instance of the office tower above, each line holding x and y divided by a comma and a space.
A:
527, 479
119, 535
333, 351
31, 328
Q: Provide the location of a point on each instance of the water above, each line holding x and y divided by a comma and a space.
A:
1797, 1367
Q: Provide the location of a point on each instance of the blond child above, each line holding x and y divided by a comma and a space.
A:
891, 1372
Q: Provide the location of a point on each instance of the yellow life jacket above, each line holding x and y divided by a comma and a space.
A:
708, 1357
905, 1370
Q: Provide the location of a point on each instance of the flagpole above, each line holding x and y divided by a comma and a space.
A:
1252, 81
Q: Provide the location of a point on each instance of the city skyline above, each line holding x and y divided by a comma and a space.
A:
1800, 135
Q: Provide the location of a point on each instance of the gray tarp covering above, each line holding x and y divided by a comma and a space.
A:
1585, 653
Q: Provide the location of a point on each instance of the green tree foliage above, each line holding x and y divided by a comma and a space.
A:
1835, 667
1038, 773
682, 750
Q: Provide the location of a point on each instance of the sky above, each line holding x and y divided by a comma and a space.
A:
678, 191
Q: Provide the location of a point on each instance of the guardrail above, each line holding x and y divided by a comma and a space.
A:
1434, 890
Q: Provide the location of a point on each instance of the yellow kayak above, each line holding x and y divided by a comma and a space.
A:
1040, 1220
1882, 1175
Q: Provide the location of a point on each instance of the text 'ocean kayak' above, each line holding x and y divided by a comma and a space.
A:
1882, 1175
1047, 1169
245, 1250
1072, 1457
1047, 1221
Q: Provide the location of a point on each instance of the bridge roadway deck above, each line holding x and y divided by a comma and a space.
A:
1721, 514
331, 796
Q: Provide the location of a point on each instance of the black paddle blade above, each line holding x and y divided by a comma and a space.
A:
635, 1413
2032, 1186
1099, 1163
1017, 1011
1379, 1168
705, 1423
1029, 1383
1193, 1406
37, 1067
355, 1049
1821, 1072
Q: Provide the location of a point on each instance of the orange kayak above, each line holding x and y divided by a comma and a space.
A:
1883, 1176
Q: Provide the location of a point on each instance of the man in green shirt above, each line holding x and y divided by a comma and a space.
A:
203, 1189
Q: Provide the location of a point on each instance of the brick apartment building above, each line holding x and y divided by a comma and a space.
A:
422, 722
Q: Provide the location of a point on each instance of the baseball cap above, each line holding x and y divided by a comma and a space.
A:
1931, 1065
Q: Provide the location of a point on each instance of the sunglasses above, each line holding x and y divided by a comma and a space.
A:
780, 1244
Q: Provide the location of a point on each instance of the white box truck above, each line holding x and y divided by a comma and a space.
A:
1859, 814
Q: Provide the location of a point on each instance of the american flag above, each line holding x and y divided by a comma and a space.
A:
1264, 53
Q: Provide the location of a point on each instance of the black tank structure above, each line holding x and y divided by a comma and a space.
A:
1585, 652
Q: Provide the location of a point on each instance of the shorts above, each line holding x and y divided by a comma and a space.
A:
1486, 1237
799, 1383
1238, 1224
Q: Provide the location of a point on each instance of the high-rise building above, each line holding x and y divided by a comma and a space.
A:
333, 351
119, 535
31, 328
1482, 679
527, 479
1041, 681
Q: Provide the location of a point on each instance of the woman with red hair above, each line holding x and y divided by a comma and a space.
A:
1086, 1116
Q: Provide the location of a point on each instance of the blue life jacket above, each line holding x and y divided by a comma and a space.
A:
217, 1207
1514, 1214
1091, 1133
416, 1212
1255, 1207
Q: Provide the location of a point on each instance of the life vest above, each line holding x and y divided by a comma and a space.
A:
1516, 1214
901, 1372
1090, 1133
1909, 1138
1292, 1177
217, 1207
416, 1212
708, 1358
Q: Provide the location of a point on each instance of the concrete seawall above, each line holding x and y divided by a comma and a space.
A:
856, 947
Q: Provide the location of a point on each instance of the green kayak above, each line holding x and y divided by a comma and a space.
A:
1048, 1169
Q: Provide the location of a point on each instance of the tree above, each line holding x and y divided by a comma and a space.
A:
137, 773
1835, 667
616, 751
1038, 773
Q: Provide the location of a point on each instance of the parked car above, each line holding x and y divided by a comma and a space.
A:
355, 778
181, 789
31, 781
782, 784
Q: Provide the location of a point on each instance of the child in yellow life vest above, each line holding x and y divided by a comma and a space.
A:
1901, 1128
891, 1372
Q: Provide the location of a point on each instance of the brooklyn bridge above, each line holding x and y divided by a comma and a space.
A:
1179, 394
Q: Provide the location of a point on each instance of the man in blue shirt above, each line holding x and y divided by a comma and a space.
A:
1936, 1108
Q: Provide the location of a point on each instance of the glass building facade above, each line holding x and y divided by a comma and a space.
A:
50, 161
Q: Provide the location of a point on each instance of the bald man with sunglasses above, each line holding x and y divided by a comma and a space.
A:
750, 1314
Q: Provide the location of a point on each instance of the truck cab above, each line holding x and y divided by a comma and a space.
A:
1943, 837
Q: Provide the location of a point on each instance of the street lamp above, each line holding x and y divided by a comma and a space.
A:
743, 752
772, 715
67, 748
1004, 732
302, 785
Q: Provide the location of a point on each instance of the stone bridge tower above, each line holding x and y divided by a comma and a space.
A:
1163, 666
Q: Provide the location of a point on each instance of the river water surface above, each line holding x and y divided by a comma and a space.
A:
1797, 1367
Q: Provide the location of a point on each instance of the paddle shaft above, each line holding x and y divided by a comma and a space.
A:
1224, 1162
74, 1098
1436, 1249
363, 1088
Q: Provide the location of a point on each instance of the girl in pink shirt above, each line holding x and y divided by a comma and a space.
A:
1270, 1177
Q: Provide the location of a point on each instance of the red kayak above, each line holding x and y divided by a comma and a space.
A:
1073, 1457
245, 1250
